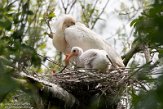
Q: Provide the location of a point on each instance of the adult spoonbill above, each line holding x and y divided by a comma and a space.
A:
70, 33
89, 59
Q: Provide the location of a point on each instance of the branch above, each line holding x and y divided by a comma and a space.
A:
129, 55
147, 53
47, 21
65, 8
47, 91
98, 17
48, 24
95, 4
136, 47
71, 6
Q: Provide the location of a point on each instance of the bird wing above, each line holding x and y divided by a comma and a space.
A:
87, 58
113, 55
79, 35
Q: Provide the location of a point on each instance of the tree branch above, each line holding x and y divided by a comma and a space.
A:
71, 6
98, 17
65, 8
147, 53
47, 91
129, 55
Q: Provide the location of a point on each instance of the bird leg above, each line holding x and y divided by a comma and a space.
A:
62, 69
66, 63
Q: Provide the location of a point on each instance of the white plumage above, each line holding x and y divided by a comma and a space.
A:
70, 33
89, 59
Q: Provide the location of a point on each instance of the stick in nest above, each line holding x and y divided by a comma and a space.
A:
62, 69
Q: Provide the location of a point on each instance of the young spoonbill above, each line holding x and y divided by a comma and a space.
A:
89, 59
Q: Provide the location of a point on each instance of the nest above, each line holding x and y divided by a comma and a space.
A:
91, 86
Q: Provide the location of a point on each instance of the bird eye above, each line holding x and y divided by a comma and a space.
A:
72, 23
74, 51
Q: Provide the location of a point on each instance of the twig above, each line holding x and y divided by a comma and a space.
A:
48, 24
84, 15
65, 8
47, 58
11, 3
127, 13
72, 4
45, 65
98, 17
147, 53
62, 69
141, 85
95, 4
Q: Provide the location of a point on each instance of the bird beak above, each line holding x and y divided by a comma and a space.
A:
67, 59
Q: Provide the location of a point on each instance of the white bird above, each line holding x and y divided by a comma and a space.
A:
70, 33
89, 59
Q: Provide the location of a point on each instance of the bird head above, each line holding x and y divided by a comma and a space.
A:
75, 52
67, 22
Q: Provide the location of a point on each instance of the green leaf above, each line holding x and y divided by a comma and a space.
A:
133, 23
29, 12
7, 83
5, 23
42, 46
51, 15
36, 61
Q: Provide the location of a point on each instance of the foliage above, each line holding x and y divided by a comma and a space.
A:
148, 30
149, 25
21, 36
18, 40
90, 13
7, 84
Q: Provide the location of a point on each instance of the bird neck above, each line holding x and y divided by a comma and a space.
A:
80, 52
78, 61
61, 33
59, 27
59, 41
